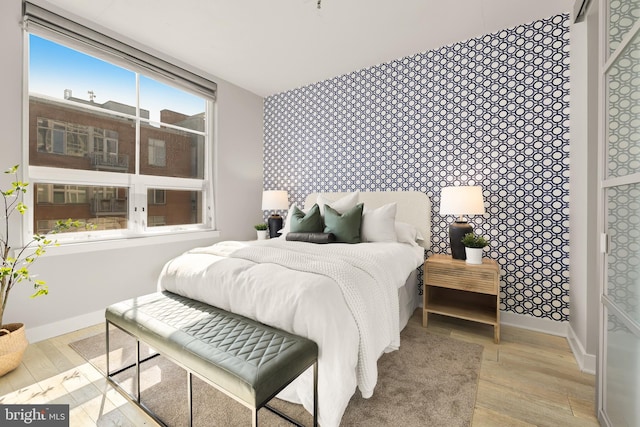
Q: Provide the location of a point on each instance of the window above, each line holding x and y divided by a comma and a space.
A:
62, 138
176, 207
100, 208
60, 194
157, 153
101, 128
156, 220
156, 197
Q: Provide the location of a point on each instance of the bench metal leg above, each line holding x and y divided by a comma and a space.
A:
138, 370
107, 335
190, 397
110, 376
288, 418
315, 394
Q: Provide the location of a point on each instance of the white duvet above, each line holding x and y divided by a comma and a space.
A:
344, 297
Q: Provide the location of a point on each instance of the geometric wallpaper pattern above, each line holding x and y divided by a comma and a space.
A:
490, 111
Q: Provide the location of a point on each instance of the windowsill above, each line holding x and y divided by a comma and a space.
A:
70, 248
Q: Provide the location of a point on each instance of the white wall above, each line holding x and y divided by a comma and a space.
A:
583, 331
83, 283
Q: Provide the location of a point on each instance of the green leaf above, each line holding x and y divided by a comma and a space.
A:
21, 207
13, 169
41, 288
40, 292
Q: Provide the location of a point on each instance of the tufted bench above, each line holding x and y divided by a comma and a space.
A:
247, 360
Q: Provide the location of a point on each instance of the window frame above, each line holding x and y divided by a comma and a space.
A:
136, 183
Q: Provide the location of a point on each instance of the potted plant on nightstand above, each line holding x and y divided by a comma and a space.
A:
473, 245
261, 230
15, 269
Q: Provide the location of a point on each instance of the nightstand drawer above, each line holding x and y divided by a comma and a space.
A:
476, 280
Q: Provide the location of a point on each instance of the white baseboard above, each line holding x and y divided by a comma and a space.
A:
531, 323
586, 362
40, 333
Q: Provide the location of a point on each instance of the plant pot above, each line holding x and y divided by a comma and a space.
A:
262, 234
474, 255
13, 343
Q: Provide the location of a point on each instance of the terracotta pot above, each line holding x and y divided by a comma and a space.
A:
13, 343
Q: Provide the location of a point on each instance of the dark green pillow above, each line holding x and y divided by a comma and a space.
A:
311, 222
345, 227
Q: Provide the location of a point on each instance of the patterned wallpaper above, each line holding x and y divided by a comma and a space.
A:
491, 111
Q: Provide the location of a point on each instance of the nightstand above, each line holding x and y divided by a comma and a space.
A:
466, 291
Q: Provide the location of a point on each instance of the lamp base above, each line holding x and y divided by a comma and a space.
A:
275, 225
457, 230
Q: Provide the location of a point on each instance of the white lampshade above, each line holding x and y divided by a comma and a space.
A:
461, 200
275, 200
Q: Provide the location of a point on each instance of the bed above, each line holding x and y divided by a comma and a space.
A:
351, 299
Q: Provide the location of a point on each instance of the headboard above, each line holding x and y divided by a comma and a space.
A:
414, 207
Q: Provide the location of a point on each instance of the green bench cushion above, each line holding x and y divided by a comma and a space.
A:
248, 359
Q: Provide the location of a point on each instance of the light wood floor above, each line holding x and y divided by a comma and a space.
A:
529, 379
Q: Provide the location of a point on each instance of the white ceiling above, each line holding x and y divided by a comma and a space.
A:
269, 46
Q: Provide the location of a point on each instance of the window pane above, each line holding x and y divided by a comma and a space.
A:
623, 259
100, 208
623, 97
59, 72
173, 207
64, 131
167, 104
620, 21
622, 373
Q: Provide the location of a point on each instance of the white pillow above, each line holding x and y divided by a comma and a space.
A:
378, 225
341, 205
407, 233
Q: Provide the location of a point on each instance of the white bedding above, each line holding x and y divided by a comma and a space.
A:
309, 290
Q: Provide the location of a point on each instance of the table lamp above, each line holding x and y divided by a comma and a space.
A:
273, 200
459, 201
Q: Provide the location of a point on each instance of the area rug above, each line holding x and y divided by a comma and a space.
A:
431, 381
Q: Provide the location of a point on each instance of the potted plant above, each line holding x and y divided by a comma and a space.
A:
473, 245
261, 230
15, 269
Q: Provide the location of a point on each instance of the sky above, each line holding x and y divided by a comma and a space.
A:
54, 68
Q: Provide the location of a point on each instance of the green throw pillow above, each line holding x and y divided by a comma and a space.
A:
345, 227
311, 222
